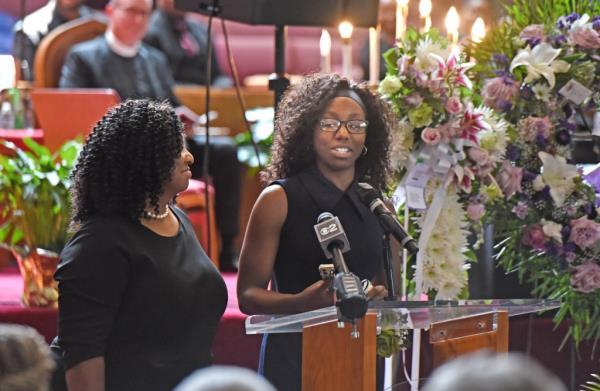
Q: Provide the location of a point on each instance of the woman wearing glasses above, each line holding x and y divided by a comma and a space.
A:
329, 134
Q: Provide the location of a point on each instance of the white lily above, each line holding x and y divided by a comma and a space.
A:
540, 61
580, 23
559, 176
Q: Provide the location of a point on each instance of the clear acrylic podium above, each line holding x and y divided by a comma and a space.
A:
333, 360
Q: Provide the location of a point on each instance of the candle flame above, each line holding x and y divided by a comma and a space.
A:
345, 29
325, 43
478, 31
425, 8
452, 20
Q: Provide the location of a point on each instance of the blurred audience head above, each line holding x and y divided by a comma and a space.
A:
490, 372
130, 159
296, 121
224, 378
128, 19
25, 363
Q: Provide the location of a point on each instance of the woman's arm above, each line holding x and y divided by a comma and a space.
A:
88, 375
257, 260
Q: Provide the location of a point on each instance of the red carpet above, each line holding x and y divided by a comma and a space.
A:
232, 346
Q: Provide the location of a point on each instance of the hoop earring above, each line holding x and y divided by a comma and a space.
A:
365, 150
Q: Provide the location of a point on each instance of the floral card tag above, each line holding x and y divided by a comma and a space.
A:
596, 127
575, 92
415, 186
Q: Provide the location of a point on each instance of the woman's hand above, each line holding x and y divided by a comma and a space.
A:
317, 295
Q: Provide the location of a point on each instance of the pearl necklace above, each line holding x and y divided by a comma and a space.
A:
152, 215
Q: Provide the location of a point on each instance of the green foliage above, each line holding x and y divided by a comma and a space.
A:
592, 385
34, 196
503, 37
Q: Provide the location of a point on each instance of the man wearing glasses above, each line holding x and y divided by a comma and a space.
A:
119, 59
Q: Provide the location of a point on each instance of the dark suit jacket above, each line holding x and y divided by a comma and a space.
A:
92, 64
163, 35
29, 33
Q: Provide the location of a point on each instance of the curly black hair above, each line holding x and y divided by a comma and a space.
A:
296, 120
126, 161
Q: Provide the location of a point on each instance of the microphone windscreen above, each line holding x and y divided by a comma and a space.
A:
324, 216
367, 193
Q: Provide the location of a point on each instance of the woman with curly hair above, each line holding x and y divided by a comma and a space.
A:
139, 300
329, 134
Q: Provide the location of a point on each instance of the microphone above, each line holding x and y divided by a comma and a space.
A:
330, 234
390, 224
352, 302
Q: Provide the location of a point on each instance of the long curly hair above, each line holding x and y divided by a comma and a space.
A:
126, 161
298, 114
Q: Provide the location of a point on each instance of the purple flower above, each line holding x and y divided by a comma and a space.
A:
590, 211
586, 277
529, 175
584, 232
565, 232
559, 40
596, 23
567, 125
540, 140
569, 247
552, 249
521, 210
501, 60
533, 236
527, 93
513, 153
572, 17
504, 106
499, 89
563, 137
586, 38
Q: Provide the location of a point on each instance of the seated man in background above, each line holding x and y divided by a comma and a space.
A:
184, 42
29, 32
121, 60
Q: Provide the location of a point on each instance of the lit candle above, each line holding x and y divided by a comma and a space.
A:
346, 33
478, 31
374, 53
325, 46
8, 74
452, 21
425, 11
401, 16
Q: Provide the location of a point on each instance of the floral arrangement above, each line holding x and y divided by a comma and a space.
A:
548, 90
446, 149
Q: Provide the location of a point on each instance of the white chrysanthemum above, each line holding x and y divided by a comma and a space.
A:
424, 61
493, 139
444, 262
402, 143
542, 91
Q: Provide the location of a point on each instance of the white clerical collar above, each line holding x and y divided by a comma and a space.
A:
119, 47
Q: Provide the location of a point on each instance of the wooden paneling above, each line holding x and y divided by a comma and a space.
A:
224, 101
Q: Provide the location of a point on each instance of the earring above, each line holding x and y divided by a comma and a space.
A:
365, 150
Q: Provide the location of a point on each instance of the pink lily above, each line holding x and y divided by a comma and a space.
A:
452, 70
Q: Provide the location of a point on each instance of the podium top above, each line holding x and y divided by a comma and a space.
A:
408, 314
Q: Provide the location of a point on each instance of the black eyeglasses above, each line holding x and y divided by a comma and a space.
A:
353, 125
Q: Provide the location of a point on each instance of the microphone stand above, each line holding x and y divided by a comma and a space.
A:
388, 266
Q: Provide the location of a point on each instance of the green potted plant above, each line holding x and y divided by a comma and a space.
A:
35, 212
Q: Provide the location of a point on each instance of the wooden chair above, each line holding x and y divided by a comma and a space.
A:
53, 49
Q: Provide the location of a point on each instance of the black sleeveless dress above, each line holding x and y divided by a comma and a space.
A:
299, 256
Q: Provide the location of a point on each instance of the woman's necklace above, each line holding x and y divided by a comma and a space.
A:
152, 215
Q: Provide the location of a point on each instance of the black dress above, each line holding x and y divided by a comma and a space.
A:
299, 256
148, 304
